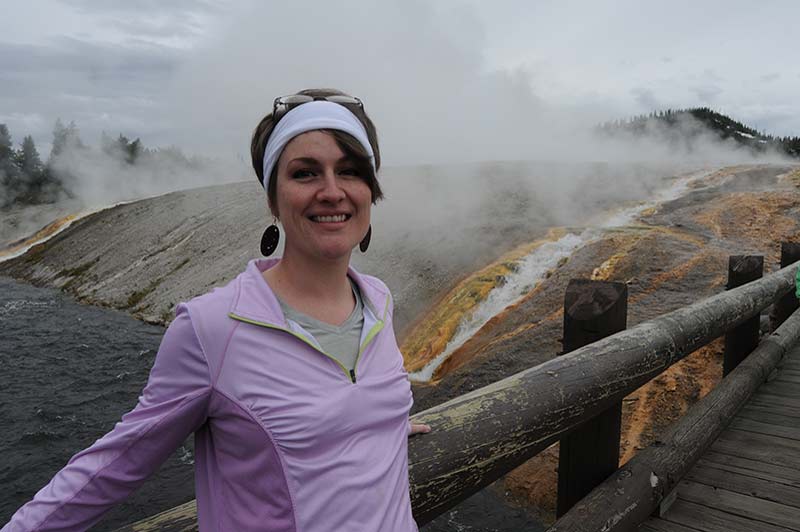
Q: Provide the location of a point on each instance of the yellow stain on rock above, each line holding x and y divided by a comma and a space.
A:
793, 177
624, 240
41, 234
744, 216
431, 334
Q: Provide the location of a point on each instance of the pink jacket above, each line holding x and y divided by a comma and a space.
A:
285, 438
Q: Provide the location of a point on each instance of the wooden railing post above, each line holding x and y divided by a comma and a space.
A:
790, 253
592, 310
740, 341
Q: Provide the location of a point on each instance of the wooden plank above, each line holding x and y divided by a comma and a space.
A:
777, 415
791, 392
740, 505
181, 518
778, 395
712, 520
775, 404
766, 415
745, 485
788, 377
753, 468
783, 405
655, 524
765, 427
770, 449
782, 389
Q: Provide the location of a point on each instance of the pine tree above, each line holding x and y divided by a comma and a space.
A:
28, 160
59, 139
133, 150
9, 172
6, 149
64, 138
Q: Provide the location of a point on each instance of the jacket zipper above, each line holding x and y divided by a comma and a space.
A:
351, 374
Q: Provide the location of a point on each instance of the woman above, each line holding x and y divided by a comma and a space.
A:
289, 376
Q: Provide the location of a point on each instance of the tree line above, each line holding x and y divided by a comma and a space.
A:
26, 179
675, 123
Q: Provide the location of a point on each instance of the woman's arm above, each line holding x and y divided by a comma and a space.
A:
172, 405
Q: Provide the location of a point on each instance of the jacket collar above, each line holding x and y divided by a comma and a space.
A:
256, 301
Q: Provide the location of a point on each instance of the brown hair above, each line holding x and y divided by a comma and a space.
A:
348, 144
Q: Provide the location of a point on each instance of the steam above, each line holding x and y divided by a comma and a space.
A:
92, 179
533, 268
99, 178
445, 116
421, 70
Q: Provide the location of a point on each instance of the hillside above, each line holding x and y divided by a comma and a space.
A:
686, 127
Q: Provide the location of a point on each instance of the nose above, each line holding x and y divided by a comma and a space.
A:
330, 190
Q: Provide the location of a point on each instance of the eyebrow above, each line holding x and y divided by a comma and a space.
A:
312, 160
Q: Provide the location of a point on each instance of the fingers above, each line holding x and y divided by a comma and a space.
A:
418, 428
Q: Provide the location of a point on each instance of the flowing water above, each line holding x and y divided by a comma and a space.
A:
69, 372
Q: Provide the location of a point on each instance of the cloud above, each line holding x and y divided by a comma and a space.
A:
646, 98
151, 19
420, 69
102, 86
706, 94
446, 81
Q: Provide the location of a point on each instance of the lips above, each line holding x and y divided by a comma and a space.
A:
330, 218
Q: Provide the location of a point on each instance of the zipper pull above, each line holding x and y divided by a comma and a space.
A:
353, 375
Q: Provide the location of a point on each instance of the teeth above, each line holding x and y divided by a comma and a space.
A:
335, 218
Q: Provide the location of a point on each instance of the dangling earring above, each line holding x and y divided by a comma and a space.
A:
364, 244
270, 239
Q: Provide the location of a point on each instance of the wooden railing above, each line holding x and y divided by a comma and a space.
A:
480, 436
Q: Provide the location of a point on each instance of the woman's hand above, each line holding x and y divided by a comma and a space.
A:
418, 428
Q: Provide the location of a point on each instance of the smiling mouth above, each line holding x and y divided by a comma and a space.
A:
330, 218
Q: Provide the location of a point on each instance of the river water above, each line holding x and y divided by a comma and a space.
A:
68, 372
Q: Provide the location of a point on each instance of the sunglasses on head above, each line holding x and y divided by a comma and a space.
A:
284, 104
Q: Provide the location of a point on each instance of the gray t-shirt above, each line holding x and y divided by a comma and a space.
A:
340, 342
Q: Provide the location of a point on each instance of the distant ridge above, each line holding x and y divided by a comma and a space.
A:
684, 126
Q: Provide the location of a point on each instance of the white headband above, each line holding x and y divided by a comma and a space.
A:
309, 116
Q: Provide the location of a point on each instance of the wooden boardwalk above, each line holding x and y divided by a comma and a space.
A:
749, 480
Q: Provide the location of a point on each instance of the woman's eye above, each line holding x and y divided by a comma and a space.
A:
349, 171
300, 174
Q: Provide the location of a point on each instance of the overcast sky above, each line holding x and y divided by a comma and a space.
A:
451, 80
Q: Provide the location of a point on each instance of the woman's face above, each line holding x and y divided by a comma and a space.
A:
322, 202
